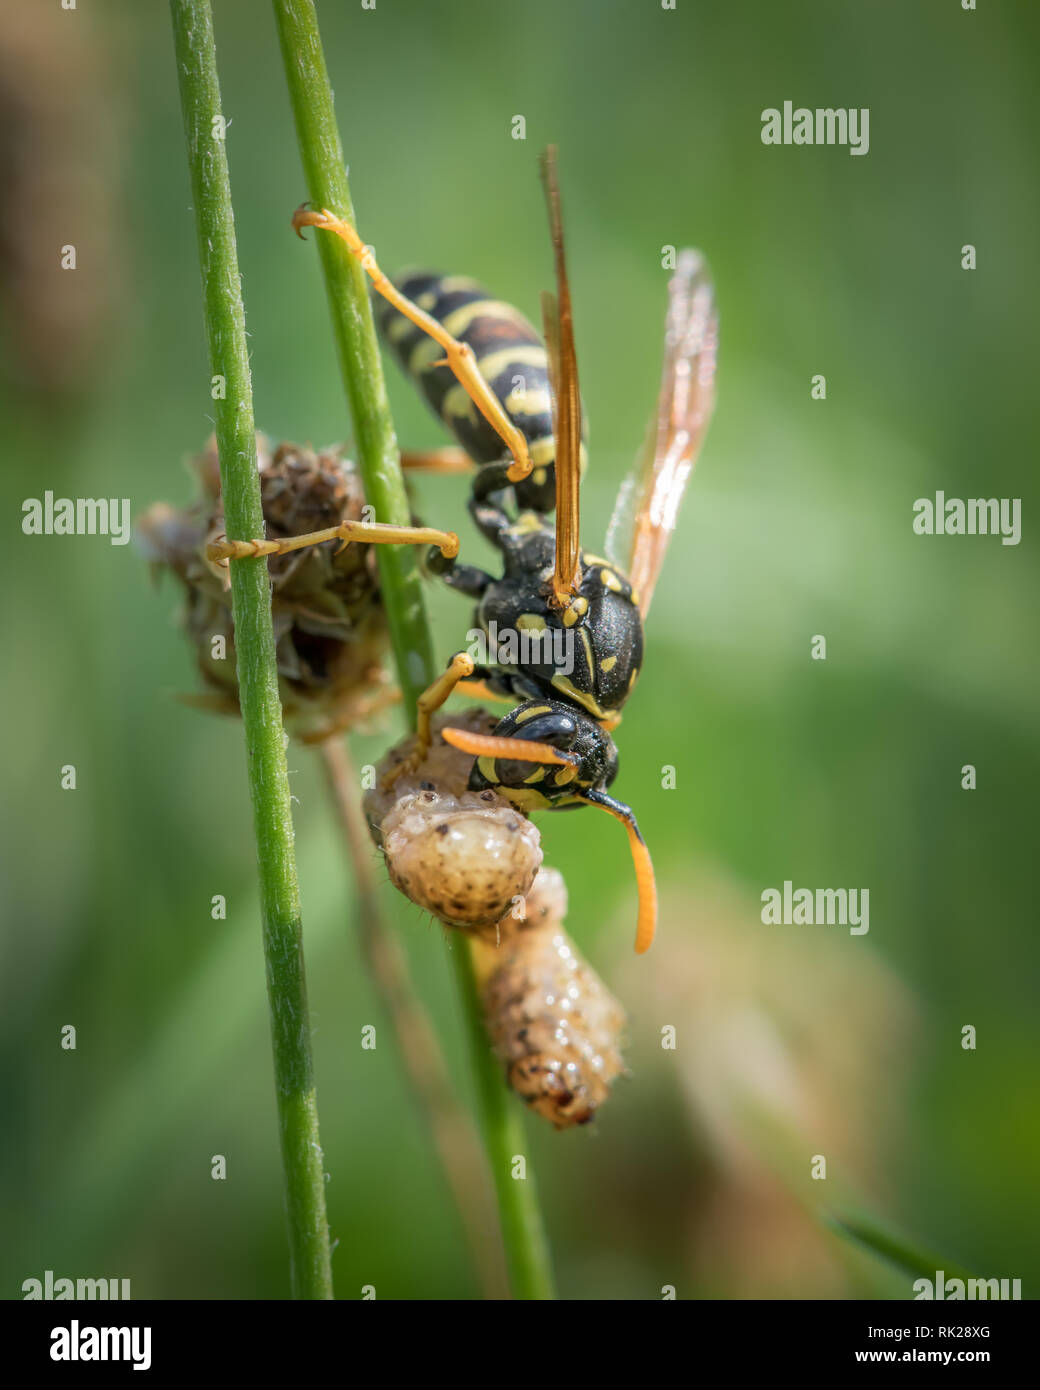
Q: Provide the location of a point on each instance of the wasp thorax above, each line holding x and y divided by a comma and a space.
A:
469, 857
549, 1016
330, 627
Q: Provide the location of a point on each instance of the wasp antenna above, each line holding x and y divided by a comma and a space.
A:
522, 750
646, 925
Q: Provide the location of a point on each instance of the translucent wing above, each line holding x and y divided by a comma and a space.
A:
648, 503
566, 397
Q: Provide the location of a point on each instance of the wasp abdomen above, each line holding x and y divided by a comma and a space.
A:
508, 350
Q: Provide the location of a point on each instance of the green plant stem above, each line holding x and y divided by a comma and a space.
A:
523, 1232
454, 1134
254, 643
379, 462
360, 363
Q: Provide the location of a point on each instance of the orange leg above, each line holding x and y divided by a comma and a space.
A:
481, 691
369, 533
458, 356
459, 667
437, 461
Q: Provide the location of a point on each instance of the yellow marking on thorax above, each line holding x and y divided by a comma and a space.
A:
583, 633
487, 767
565, 775
577, 608
588, 702
531, 622
530, 713
536, 775
608, 663
526, 524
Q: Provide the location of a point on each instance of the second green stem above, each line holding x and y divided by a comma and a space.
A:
379, 462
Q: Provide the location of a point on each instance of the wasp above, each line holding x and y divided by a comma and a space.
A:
513, 403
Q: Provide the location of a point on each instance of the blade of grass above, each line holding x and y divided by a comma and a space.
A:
360, 363
887, 1245
379, 461
311, 1275
842, 1213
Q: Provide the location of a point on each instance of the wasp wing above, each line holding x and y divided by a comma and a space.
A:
566, 397
648, 503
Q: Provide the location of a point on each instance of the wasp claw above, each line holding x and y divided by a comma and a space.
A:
295, 226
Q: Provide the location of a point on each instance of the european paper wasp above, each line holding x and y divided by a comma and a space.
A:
554, 749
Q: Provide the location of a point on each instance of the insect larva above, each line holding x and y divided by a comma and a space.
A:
549, 1016
473, 860
465, 856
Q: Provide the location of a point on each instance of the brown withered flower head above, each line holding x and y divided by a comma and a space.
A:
329, 625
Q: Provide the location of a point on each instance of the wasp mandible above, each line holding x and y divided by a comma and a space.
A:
465, 350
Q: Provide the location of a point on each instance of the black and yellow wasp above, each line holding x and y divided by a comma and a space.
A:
513, 404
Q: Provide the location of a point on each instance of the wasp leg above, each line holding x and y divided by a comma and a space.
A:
489, 518
481, 690
459, 356
464, 579
437, 461
490, 521
491, 478
369, 533
647, 923
460, 667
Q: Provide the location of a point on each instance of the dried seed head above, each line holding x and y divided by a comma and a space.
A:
330, 628
549, 1016
467, 857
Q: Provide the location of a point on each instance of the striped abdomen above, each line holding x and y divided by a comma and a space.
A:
510, 355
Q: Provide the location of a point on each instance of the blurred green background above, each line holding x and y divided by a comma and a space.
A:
792, 1041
